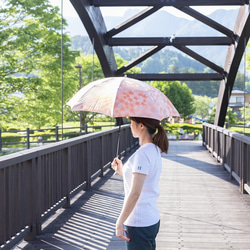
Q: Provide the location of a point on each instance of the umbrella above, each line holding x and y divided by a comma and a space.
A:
123, 97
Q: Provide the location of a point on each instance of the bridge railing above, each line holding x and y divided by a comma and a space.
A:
36, 182
232, 150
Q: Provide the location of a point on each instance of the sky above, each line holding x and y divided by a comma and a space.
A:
75, 27
69, 11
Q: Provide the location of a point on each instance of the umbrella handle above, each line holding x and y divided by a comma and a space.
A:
118, 142
118, 145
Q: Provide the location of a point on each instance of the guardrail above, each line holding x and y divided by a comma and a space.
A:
36, 137
232, 150
36, 182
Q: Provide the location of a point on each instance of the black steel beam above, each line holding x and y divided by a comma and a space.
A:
166, 41
177, 77
139, 59
234, 56
90, 14
93, 21
102, 3
200, 59
135, 19
206, 20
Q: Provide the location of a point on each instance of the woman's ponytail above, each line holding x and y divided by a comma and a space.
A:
160, 139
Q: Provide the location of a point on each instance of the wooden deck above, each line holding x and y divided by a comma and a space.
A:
200, 207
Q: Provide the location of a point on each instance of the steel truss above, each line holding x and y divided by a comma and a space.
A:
103, 41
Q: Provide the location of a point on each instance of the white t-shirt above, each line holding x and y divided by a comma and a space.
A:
146, 160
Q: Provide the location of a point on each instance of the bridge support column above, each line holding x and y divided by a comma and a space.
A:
233, 59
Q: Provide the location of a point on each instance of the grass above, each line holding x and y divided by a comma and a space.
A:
240, 130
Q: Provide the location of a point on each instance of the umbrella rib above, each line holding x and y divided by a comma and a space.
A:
112, 110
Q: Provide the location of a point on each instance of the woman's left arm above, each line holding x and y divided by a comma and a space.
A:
136, 187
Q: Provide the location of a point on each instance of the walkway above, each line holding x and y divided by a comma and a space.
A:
200, 207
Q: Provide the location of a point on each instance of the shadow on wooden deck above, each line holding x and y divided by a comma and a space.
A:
90, 221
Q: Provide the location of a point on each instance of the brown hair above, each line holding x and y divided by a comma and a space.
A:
160, 139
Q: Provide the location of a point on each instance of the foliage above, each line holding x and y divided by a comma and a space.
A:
179, 94
245, 112
248, 56
247, 80
165, 60
240, 81
208, 88
231, 117
240, 130
121, 62
203, 106
30, 67
169, 61
30, 55
212, 115
82, 44
13, 137
188, 128
91, 71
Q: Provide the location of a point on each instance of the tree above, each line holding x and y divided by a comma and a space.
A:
173, 68
91, 70
248, 56
245, 113
121, 62
231, 117
151, 65
30, 56
212, 115
203, 106
179, 94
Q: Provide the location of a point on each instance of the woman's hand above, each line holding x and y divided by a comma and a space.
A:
117, 166
120, 231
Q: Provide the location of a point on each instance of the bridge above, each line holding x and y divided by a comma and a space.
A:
63, 196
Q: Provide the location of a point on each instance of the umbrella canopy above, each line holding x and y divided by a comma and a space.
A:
123, 97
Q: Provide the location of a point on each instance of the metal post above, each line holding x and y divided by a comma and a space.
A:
57, 136
68, 182
88, 167
28, 138
62, 66
86, 128
79, 66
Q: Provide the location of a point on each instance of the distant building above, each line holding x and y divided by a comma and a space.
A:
237, 99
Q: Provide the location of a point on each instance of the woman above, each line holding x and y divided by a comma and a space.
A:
141, 173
